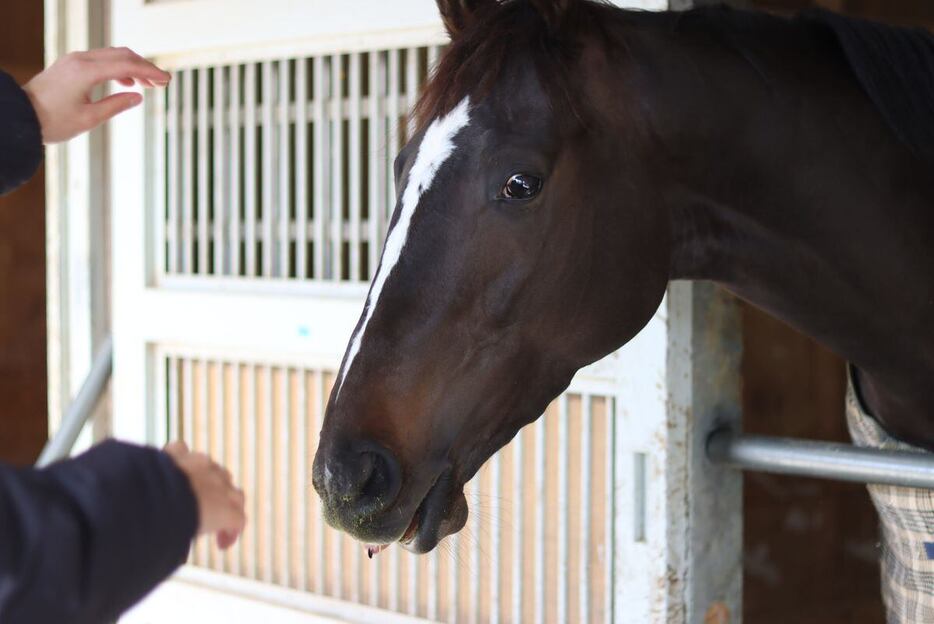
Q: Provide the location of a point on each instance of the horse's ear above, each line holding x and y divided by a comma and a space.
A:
552, 11
459, 14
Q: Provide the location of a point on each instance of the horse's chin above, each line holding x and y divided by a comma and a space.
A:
442, 512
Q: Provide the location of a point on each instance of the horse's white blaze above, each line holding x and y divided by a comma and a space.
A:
436, 147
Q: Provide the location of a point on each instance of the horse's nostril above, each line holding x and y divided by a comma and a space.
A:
366, 481
382, 486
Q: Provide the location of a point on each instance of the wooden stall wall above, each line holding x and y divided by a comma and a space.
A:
23, 426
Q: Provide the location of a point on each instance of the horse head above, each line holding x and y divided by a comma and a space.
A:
523, 246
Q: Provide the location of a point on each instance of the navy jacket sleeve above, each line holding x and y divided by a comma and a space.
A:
20, 136
83, 540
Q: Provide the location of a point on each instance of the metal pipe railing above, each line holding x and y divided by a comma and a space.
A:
822, 460
79, 412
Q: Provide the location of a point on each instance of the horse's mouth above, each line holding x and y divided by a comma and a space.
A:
441, 513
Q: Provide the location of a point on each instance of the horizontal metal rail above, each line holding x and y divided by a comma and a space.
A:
79, 412
822, 460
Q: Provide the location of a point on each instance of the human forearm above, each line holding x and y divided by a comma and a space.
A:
20, 136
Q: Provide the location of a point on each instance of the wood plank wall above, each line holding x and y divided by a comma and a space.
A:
23, 415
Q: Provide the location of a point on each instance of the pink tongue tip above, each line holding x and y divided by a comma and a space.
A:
375, 549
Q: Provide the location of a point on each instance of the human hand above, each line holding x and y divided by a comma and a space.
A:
220, 503
61, 94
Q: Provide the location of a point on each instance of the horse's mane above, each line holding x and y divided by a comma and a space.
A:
508, 29
894, 66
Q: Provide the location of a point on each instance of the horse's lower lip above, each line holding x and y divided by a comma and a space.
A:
410, 532
436, 517
409, 536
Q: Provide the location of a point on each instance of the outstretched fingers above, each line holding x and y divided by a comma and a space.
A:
125, 66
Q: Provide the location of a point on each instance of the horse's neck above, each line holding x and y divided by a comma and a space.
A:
792, 193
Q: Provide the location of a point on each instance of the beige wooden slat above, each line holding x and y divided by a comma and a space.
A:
232, 437
250, 457
279, 469
298, 480
301, 168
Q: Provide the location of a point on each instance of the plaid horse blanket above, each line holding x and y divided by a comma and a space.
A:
906, 517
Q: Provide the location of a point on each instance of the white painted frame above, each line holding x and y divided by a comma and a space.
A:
78, 301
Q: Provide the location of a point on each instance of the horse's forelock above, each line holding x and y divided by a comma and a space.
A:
546, 31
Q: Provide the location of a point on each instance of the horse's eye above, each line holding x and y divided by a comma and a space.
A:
522, 186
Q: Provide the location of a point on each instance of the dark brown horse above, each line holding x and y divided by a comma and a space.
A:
574, 158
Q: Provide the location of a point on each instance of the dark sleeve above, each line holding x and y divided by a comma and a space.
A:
20, 136
83, 540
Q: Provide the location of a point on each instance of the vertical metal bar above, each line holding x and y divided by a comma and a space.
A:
321, 167
234, 173
161, 212
204, 174
337, 171
250, 169
285, 169
252, 422
269, 168
563, 508
517, 533
584, 576
188, 183
320, 569
411, 88
495, 555
174, 193
356, 158
394, 136
377, 168
285, 461
301, 168
540, 520
221, 205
